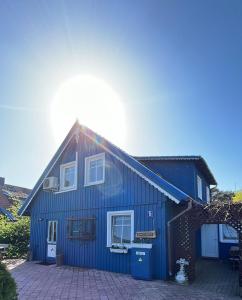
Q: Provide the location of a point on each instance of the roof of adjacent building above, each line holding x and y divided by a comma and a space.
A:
171, 191
8, 192
197, 159
7, 214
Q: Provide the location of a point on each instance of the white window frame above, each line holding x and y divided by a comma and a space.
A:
62, 172
199, 187
208, 196
110, 214
221, 236
87, 169
50, 240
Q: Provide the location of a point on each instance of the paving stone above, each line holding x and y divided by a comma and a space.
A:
215, 281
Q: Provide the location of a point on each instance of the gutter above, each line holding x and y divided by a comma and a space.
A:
189, 207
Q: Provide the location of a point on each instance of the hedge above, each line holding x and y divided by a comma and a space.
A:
16, 234
7, 285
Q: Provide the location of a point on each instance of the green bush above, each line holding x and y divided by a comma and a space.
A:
7, 285
15, 233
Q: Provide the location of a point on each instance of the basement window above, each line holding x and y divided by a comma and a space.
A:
82, 229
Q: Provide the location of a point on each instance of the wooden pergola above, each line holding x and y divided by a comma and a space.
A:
183, 231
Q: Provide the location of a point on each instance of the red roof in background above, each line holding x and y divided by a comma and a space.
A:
7, 192
4, 202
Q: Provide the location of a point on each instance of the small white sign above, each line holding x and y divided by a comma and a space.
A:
140, 253
51, 251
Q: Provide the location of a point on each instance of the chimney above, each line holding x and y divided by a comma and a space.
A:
2, 181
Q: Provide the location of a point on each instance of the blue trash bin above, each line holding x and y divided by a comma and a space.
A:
142, 263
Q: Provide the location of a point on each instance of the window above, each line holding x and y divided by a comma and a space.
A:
95, 169
199, 188
228, 234
82, 229
208, 194
52, 232
120, 228
68, 176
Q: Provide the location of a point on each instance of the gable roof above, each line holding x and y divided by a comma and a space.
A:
197, 159
155, 180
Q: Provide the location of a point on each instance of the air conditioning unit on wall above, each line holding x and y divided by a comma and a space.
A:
50, 184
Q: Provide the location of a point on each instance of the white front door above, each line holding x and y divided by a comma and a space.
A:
209, 239
51, 239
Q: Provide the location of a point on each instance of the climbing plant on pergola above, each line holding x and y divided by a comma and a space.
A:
185, 226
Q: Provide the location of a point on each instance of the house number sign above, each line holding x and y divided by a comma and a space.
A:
146, 234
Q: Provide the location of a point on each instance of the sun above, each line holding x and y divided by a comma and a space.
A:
94, 103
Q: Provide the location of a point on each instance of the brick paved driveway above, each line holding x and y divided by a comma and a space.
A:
50, 282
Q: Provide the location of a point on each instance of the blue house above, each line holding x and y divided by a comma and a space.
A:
94, 200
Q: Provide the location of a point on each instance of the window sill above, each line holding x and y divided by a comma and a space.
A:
128, 246
93, 183
133, 245
64, 191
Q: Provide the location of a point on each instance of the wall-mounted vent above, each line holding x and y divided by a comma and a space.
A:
50, 184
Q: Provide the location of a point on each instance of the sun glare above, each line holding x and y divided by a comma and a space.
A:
94, 103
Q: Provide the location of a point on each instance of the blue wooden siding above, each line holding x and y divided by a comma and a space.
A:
179, 173
122, 190
183, 174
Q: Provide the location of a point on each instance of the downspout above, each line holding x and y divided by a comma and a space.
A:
189, 206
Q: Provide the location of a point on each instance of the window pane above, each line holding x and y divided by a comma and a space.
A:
199, 187
83, 229
117, 220
117, 234
100, 173
121, 229
99, 162
50, 232
93, 163
95, 170
126, 234
127, 220
75, 228
54, 231
92, 175
69, 177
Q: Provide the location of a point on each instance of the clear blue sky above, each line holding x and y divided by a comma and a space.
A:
176, 64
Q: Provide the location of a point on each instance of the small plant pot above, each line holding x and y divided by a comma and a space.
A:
29, 255
59, 260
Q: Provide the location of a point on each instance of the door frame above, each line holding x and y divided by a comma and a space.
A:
51, 243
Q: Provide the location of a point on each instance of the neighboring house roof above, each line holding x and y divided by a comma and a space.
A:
197, 159
8, 192
7, 213
161, 184
4, 202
